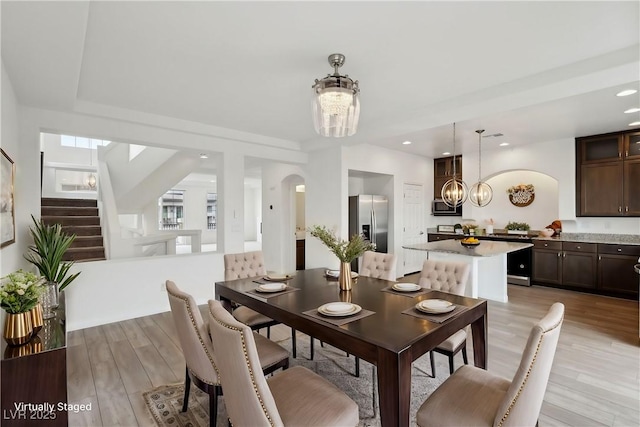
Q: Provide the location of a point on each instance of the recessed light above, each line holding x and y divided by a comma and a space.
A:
406, 143
446, 153
626, 92
634, 124
204, 156
632, 110
504, 144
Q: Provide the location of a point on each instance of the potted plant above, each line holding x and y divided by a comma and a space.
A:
345, 250
517, 228
19, 296
49, 245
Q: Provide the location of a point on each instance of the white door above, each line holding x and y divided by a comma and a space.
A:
413, 227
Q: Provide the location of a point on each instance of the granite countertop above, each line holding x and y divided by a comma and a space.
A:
614, 239
486, 248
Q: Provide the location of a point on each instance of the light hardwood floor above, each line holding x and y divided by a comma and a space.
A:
594, 381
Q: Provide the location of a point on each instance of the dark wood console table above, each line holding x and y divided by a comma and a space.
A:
35, 375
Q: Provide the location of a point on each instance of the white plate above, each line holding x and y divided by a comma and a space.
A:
336, 273
435, 306
333, 309
272, 287
272, 277
406, 287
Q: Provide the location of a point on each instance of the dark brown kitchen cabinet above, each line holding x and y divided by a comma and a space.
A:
579, 265
547, 262
632, 189
608, 175
599, 189
443, 172
598, 268
615, 269
432, 237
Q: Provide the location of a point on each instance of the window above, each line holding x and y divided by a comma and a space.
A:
172, 210
212, 211
81, 142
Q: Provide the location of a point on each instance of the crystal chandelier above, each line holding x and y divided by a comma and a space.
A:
454, 192
481, 193
336, 107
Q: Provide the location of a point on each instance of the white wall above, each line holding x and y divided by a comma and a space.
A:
557, 160
26, 159
252, 210
538, 215
278, 220
400, 168
326, 203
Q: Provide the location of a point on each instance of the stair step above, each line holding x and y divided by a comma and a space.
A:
87, 241
68, 211
69, 202
91, 259
72, 220
77, 254
82, 230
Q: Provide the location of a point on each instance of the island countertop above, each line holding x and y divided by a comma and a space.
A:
486, 248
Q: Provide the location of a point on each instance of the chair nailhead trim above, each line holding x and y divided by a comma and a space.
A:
195, 327
526, 377
246, 359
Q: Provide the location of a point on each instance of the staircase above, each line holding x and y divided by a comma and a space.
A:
79, 217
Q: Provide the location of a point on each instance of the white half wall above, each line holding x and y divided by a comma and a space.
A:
115, 290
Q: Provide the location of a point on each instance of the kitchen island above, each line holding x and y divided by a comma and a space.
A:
488, 261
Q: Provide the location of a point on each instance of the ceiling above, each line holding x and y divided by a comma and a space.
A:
533, 71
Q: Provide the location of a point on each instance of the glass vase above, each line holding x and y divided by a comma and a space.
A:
49, 300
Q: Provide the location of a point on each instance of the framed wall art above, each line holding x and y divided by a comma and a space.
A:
7, 205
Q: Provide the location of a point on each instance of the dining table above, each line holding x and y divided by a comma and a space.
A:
386, 332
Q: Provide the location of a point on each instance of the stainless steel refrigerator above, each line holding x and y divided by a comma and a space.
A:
369, 216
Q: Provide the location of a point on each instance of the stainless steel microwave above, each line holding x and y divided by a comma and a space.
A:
440, 208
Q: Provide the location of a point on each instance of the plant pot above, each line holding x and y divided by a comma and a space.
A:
17, 328
345, 276
49, 300
37, 319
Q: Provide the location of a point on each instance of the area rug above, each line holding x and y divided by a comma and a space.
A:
165, 402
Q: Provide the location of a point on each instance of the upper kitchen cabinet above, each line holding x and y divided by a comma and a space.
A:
608, 175
443, 172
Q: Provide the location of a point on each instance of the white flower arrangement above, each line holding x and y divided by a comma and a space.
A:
20, 291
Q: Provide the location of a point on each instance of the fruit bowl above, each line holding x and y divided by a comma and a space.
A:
470, 242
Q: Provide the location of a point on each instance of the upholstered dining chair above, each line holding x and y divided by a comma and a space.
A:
295, 397
448, 277
244, 265
379, 266
473, 396
197, 349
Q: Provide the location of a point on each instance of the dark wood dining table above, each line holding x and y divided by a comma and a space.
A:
388, 339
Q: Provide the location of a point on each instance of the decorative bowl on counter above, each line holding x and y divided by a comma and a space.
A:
547, 232
470, 242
